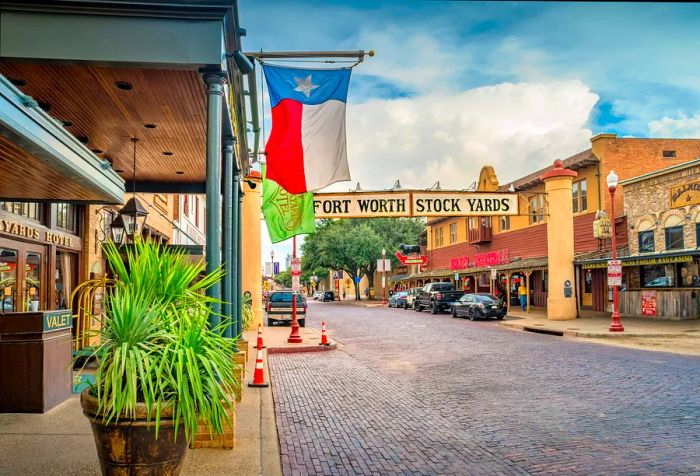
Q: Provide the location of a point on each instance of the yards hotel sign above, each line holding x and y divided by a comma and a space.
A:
413, 204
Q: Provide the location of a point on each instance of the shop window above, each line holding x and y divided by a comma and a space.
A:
536, 209
30, 210
453, 233
588, 281
674, 238
66, 217
688, 275
505, 223
657, 276
66, 278
646, 241
580, 198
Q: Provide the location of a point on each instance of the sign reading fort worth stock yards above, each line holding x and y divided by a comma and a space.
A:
401, 203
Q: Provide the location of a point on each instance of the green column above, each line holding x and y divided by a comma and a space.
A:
235, 254
215, 92
238, 291
227, 241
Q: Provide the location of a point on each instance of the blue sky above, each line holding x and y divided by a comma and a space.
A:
457, 85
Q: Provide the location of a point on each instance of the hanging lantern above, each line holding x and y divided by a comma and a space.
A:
602, 226
117, 229
133, 215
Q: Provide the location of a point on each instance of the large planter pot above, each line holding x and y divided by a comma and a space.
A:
129, 448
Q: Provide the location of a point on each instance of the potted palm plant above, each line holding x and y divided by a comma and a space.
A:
161, 370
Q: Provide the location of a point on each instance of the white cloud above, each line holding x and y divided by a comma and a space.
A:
679, 127
517, 128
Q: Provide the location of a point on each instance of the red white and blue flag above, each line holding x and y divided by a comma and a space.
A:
307, 148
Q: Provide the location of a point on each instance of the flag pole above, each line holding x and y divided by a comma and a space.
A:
359, 54
294, 336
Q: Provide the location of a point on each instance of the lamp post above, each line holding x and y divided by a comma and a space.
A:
615, 325
383, 276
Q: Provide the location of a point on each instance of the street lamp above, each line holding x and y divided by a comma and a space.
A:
615, 325
383, 276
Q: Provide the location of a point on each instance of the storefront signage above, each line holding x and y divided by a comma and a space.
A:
643, 262
481, 260
26, 231
649, 303
614, 272
439, 203
57, 320
686, 194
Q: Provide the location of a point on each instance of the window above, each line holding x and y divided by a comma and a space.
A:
688, 275
646, 241
66, 217
29, 210
536, 209
196, 212
186, 205
674, 238
505, 223
580, 198
658, 276
697, 234
439, 236
669, 154
588, 281
453, 233
473, 223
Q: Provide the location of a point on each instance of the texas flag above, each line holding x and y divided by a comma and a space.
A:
307, 149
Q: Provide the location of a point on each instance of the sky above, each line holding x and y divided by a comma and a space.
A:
458, 85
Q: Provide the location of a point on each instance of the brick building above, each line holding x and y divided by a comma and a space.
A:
516, 247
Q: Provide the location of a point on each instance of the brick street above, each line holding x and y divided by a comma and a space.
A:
412, 393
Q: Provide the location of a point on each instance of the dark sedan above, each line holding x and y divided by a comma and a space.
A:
479, 306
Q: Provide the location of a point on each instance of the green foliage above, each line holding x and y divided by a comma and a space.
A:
354, 245
284, 279
156, 346
247, 310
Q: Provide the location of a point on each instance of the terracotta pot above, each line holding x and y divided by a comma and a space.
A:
129, 448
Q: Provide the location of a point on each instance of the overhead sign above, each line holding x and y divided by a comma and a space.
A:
435, 203
406, 260
614, 272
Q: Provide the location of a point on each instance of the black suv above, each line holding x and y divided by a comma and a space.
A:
328, 296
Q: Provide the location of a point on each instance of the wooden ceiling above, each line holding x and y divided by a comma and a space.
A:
87, 98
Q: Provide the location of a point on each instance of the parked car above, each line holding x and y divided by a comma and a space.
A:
328, 296
437, 297
318, 295
479, 306
411, 297
398, 299
279, 308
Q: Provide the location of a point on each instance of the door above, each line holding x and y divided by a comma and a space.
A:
599, 288
22, 276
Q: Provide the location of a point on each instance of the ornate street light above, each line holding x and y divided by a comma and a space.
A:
615, 325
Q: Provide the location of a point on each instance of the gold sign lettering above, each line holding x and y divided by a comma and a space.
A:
58, 239
15, 228
685, 195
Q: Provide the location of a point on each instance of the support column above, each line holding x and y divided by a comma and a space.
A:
238, 290
215, 93
508, 291
236, 257
560, 242
528, 283
227, 240
251, 245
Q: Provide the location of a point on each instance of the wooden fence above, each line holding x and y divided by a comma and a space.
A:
670, 304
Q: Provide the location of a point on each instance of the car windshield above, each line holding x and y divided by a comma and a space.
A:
284, 297
402, 294
443, 287
485, 299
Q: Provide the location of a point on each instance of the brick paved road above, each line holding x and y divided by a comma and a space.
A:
415, 393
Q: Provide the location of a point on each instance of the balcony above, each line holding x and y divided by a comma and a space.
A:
481, 234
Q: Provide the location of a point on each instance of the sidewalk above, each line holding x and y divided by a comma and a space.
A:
275, 339
681, 337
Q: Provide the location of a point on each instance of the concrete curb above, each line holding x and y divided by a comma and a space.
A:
594, 335
302, 348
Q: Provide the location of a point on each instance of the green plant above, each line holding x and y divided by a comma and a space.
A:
156, 346
247, 314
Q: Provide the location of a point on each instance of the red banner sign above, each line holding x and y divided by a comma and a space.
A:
481, 260
406, 260
649, 303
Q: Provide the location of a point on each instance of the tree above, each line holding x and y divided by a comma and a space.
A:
284, 279
354, 245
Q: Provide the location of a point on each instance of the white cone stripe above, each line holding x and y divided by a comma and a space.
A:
259, 356
258, 365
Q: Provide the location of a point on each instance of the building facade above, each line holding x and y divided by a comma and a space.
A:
498, 254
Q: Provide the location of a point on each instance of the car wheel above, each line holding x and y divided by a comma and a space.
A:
434, 308
472, 314
405, 305
500, 317
416, 307
270, 322
302, 322
454, 312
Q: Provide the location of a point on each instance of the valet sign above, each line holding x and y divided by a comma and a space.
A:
414, 203
614, 272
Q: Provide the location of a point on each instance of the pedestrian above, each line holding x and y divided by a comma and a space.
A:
367, 293
522, 292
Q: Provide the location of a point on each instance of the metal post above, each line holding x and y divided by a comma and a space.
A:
238, 290
215, 92
227, 241
615, 325
235, 245
383, 276
294, 336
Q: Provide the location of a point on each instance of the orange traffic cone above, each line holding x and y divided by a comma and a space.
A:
324, 336
259, 375
260, 345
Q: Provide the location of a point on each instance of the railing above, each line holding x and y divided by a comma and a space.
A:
482, 234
